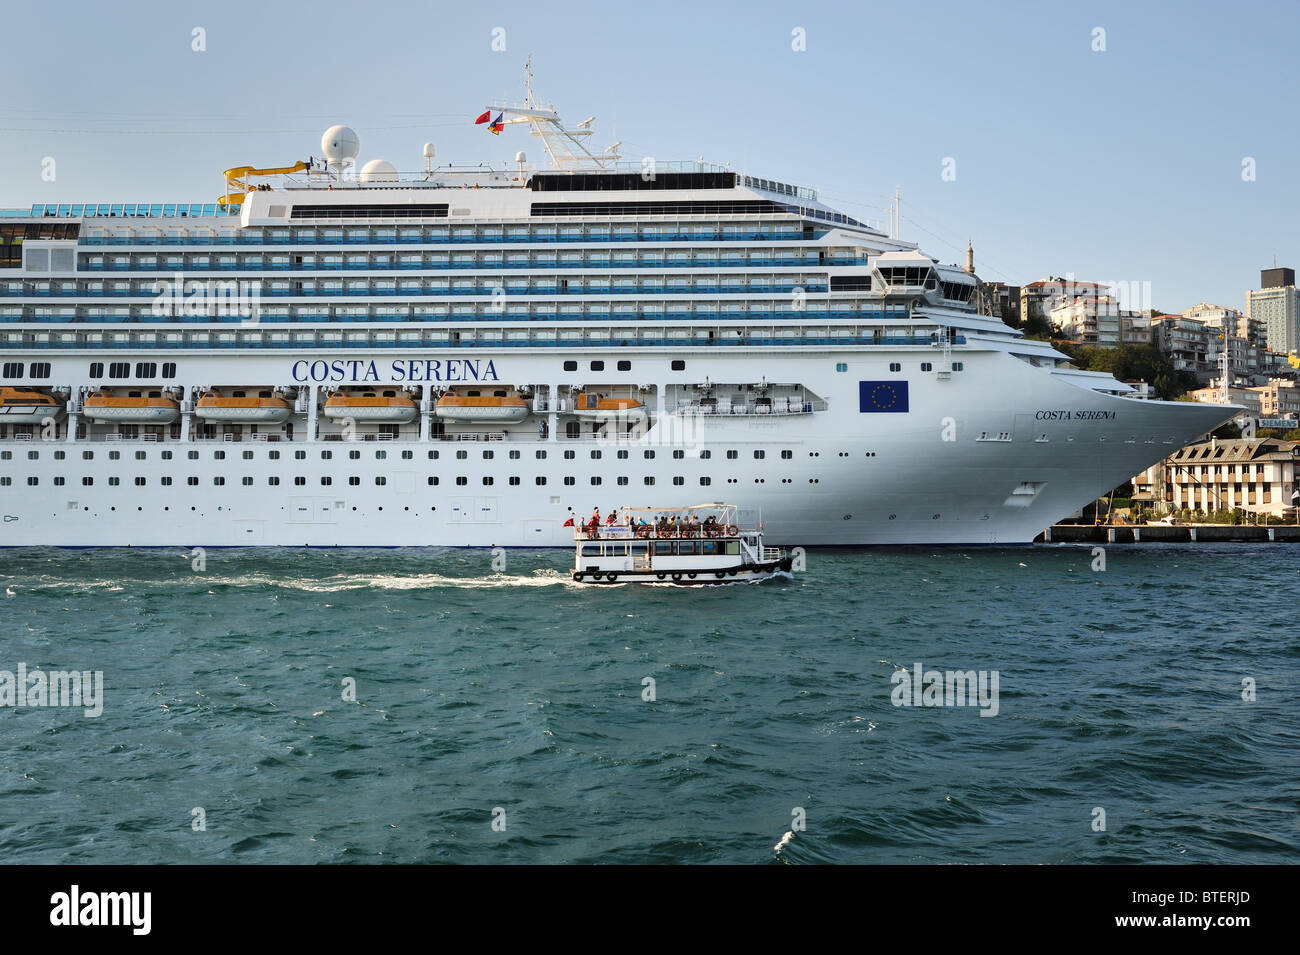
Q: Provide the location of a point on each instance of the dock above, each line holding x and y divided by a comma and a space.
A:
1168, 534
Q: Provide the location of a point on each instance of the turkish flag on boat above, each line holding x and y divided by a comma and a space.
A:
483, 118
568, 523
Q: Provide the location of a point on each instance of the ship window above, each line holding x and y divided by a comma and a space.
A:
192, 481
433, 480
299, 481
87, 481
462, 481
595, 455
216, 455
487, 480
705, 481
514, 455
218, 481
488, 455
679, 454
462, 455
595, 480
58, 481
706, 454
169, 369
679, 480
114, 455
760, 454
540, 481
326, 455
570, 455
354, 455
622, 481
787, 455
733, 548
732, 455
895, 366
678, 365
326, 481
146, 369
119, 369
625, 365
569, 481
622, 455
96, 369
649, 480
31, 481
433, 455
248, 455
649, 454
247, 482
36, 455
841, 366
381, 455
40, 369
407, 455
60, 455
193, 455
597, 366
271, 455
570, 366
273, 481
13, 369
956, 366
300, 455
541, 455
926, 366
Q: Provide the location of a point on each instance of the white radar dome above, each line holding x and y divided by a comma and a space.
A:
429, 151
340, 143
378, 170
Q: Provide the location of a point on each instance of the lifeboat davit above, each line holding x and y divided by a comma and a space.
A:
24, 406
498, 409
370, 406
264, 407
135, 407
599, 408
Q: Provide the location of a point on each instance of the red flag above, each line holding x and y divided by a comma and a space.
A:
497, 125
568, 523
483, 119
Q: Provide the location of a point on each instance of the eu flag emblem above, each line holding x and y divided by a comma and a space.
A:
882, 396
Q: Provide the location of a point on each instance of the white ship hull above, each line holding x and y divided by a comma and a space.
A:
968, 463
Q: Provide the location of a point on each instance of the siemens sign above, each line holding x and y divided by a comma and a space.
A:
397, 371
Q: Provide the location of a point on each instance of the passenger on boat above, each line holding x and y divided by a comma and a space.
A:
612, 518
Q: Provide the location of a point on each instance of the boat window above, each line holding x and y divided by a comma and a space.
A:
709, 548
590, 550
733, 548
687, 548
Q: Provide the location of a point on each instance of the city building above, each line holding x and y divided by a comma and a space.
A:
1277, 306
1099, 320
1254, 474
1230, 320
1280, 398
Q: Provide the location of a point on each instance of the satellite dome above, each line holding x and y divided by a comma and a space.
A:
429, 151
379, 170
340, 143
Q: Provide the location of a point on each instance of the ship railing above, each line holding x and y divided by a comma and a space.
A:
471, 436
781, 405
622, 532
771, 553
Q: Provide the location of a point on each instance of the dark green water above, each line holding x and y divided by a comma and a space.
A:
475, 690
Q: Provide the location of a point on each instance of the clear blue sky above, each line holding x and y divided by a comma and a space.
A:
1123, 165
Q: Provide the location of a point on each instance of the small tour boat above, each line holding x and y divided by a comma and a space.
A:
261, 407
704, 544
389, 405
24, 406
134, 407
600, 408
498, 407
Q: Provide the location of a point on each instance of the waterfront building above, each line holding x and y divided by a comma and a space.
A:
1258, 475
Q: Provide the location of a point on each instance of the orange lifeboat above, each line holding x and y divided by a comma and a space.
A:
370, 406
243, 407
135, 407
25, 406
497, 408
599, 408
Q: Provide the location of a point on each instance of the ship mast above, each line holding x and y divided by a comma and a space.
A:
565, 146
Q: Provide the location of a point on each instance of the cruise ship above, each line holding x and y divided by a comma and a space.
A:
334, 353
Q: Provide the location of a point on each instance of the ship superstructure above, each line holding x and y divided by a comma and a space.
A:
330, 356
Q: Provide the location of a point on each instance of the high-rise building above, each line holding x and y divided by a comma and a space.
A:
1277, 305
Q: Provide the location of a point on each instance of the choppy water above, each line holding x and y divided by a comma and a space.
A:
1119, 689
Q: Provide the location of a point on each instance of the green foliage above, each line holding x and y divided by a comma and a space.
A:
1128, 361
